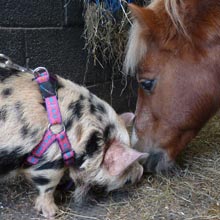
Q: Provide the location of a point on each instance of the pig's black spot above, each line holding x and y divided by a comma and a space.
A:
101, 108
79, 160
18, 106
19, 109
3, 113
92, 108
56, 164
108, 131
49, 189
100, 118
11, 160
81, 97
98, 108
26, 164
24, 130
6, 92
34, 133
92, 144
40, 180
91, 97
76, 108
44, 105
68, 123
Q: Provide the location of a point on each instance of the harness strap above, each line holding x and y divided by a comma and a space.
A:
53, 110
41, 148
48, 92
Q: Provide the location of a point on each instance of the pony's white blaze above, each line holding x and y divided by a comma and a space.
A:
136, 49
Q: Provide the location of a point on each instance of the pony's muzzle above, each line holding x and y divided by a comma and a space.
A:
157, 162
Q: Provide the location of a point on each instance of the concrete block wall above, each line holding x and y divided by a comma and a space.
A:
49, 33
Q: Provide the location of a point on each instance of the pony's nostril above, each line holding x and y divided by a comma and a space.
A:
159, 162
152, 162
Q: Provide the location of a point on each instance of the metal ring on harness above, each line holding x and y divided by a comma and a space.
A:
40, 70
60, 130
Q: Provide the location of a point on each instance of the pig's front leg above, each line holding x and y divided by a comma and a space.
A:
45, 203
46, 182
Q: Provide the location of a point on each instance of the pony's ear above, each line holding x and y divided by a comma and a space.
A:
144, 16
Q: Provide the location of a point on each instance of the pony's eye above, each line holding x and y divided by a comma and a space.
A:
148, 84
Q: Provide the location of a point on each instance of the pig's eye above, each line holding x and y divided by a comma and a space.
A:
128, 182
147, 84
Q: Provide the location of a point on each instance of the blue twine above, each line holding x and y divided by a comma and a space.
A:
111, 5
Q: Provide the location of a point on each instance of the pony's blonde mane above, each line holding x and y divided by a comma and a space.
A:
172, 7
136, 49
137, 46
181, 27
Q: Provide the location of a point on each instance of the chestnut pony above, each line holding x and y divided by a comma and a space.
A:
174, 51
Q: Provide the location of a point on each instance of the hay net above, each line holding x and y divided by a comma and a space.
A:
106, 29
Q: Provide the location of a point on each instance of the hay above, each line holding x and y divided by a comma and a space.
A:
105, 38
192, 194
106, 34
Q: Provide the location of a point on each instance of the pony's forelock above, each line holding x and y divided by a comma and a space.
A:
173, 10
136, 49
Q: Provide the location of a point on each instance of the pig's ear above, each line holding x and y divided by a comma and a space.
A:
128, 118
118, 158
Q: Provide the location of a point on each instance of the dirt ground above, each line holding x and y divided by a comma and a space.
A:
192, 194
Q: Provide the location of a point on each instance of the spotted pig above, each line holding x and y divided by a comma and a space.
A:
97, 135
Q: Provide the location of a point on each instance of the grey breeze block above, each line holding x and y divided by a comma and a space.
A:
49, 33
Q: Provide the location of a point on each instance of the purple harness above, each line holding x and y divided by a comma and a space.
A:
45, 82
